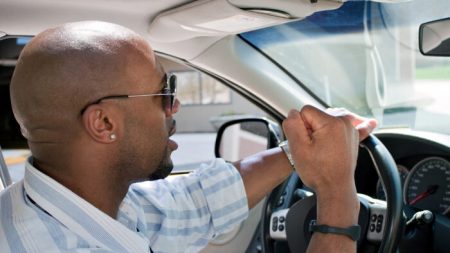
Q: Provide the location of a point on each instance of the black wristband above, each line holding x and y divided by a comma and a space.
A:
353, 232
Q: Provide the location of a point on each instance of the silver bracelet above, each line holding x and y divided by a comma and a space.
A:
284, 145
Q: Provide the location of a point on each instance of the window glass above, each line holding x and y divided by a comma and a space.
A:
364, 56
15, 161
206, 104
196, 88
188, 87
214, 92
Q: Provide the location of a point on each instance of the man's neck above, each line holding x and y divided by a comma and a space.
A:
103, 192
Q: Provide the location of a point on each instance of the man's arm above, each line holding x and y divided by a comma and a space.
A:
262, 172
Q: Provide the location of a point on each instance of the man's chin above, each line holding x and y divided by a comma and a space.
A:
161, 173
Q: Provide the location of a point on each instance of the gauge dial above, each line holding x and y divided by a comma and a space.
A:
428, 185
403, 173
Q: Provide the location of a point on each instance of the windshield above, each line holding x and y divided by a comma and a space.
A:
364, 56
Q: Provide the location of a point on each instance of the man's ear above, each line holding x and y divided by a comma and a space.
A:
101, 124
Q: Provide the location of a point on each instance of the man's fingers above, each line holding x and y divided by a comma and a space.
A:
344, 113
365, 128
295, 129
301, 125
364, 125
314, 118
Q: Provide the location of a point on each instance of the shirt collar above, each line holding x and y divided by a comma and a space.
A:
78, 215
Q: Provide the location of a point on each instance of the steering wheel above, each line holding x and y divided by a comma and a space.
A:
380, 221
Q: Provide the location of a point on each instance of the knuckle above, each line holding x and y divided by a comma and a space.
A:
345, 125
306, 108
287, 123
342, 122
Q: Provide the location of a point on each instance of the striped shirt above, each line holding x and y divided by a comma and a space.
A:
180, 214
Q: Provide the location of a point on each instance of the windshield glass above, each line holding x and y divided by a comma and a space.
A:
364, 56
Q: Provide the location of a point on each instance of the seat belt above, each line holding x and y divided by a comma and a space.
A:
5, 178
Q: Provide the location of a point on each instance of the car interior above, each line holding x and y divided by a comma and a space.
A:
243, 64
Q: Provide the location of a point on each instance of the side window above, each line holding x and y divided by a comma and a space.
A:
205, 105
15, 161
196, 88
14, 146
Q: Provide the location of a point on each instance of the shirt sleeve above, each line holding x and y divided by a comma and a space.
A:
195, 207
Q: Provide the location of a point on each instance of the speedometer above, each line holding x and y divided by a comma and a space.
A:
428, 185
402, 172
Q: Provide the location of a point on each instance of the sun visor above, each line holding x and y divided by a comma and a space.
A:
375, 1
216, 18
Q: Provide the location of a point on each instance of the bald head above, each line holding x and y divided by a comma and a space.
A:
65, 68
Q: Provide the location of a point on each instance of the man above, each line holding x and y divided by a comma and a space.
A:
96, 109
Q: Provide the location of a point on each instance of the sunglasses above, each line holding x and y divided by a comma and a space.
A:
168, 93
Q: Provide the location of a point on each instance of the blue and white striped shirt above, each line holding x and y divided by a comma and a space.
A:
181, 214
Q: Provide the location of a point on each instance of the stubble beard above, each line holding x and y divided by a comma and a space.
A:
164, 168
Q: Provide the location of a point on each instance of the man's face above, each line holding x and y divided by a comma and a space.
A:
166, 165
146, 147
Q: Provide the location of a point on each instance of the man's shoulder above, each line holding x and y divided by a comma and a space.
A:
12, 202
211, 178
12, 191
174, 182
24, 227
14, 206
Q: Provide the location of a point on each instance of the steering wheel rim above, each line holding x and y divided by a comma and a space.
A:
387, 171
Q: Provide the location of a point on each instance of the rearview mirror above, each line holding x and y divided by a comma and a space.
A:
434, 38
240, 138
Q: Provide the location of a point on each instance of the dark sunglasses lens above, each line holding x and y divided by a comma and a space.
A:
172, 82
168, 102
171, 101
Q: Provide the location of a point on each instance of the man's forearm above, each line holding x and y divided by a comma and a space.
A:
262, 172
337, 209
331, 243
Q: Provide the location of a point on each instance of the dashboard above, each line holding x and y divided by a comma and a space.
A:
423, 165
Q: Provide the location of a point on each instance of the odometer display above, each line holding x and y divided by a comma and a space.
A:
428, 185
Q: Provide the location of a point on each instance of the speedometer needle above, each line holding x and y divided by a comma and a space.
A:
431, 190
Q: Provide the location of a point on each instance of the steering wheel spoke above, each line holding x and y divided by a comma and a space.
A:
278, 225
376, 223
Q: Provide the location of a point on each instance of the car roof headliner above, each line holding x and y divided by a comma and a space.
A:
183, 32
29, 17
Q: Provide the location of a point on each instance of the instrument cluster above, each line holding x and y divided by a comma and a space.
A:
426, 185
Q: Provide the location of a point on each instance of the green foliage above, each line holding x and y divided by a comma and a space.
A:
433, 73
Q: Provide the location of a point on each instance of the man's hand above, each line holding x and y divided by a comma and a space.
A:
364, 125
324, 145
